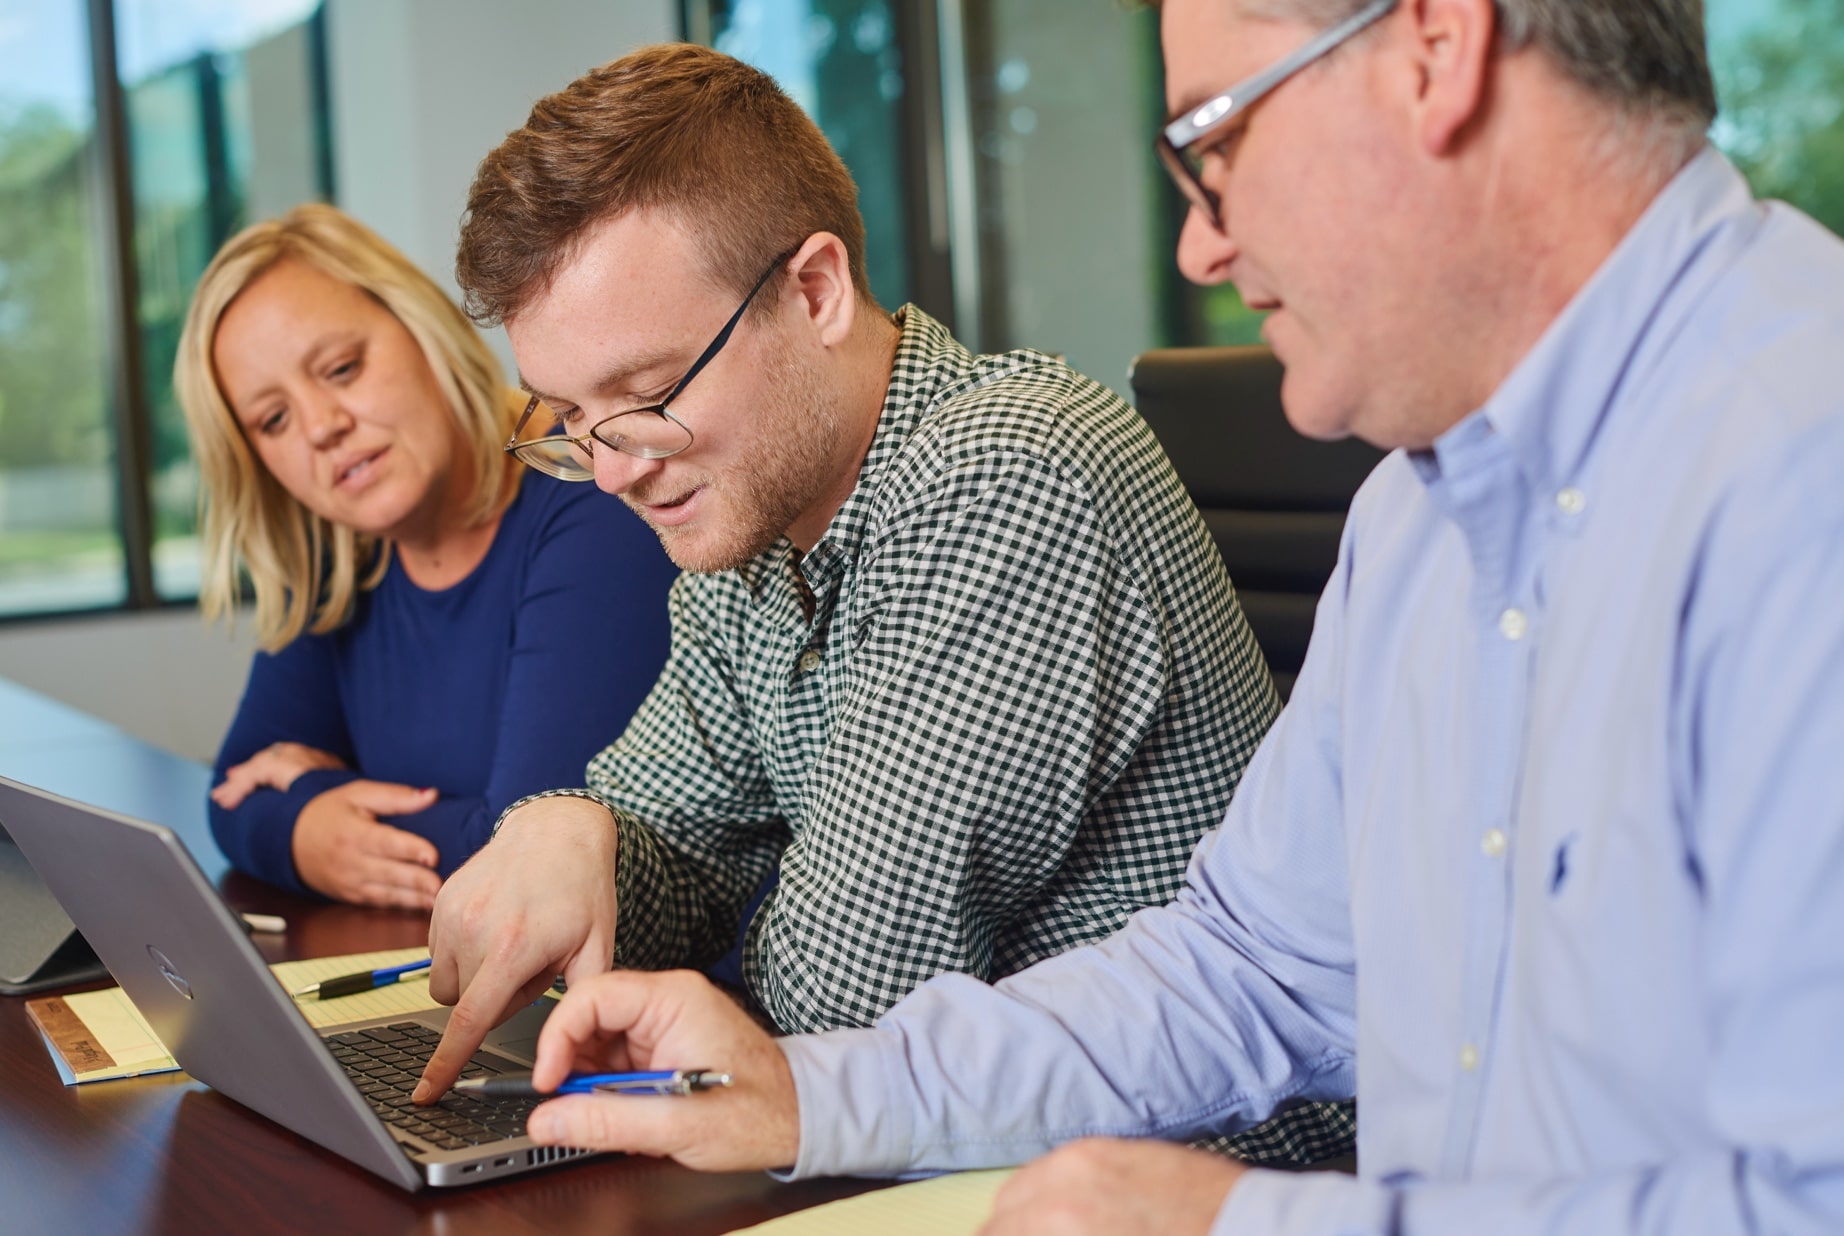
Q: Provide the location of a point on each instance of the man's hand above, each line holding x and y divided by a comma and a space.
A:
1115, 1188
341, 849
537, 901
275, 766
635, 1020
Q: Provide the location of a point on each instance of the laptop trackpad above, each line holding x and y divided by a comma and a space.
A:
524, 1051
518, 1038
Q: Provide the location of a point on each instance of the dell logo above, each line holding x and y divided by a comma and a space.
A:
170, 974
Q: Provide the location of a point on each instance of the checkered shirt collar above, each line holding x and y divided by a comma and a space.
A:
929, 363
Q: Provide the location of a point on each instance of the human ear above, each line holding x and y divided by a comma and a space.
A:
823, 283
1452, 48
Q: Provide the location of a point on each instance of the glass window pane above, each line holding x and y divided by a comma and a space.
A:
1075, 226
1779, 68
841, 61
226, 126
59, 542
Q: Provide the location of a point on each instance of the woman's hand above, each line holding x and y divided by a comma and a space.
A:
275, 767
343, 850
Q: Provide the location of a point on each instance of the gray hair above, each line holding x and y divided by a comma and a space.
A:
1647, 57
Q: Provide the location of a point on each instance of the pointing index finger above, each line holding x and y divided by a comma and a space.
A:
488, 999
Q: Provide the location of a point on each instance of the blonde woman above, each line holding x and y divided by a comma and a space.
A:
412, 583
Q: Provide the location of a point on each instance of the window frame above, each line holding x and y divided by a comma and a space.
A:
131, 414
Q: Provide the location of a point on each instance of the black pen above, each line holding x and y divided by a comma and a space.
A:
364, 980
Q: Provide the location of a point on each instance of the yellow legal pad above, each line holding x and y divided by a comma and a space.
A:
944, 1206
98, 1035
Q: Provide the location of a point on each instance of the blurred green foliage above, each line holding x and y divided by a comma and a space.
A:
54, 371
1781, 91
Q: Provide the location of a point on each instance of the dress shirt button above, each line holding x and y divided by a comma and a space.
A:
1570, 501
1469, 1058
1492, 845
1512, 624
810, 660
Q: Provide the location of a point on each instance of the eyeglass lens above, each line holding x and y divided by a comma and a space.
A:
547, 443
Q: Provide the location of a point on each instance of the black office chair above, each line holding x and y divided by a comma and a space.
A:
1274, 501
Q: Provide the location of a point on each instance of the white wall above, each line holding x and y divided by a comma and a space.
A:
421, 89
161, 675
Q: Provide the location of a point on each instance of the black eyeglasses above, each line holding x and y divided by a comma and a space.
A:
650, 432
1185, 142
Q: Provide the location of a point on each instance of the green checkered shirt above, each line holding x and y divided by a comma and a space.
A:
1025, 691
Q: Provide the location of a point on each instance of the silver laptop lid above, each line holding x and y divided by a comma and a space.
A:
183, 958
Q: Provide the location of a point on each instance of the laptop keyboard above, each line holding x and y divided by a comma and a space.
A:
386, 1063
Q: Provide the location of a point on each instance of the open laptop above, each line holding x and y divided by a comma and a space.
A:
184, 959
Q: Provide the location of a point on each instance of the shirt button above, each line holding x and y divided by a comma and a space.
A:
1570, 501
1512, 624
1469, 1058
1492, 845
809, 660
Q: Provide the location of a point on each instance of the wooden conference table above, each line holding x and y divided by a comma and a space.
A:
167, 1154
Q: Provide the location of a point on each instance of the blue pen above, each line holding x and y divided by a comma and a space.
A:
662, 1081
364, 980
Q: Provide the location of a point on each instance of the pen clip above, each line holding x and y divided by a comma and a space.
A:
678, 1083
681, 1081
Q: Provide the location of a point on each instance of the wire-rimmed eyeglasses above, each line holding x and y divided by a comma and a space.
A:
650, 431
1184, 143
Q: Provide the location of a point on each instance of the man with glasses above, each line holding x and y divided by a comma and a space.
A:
956, 655
1544, 858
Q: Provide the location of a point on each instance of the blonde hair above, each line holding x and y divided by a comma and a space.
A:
307, 570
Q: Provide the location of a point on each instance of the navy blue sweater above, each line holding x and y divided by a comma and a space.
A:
502, 685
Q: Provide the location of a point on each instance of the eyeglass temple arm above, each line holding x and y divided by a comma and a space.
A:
530, 407
723, 336
1185, 130
704, 358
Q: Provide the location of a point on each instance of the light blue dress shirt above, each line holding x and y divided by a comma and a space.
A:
1545, 859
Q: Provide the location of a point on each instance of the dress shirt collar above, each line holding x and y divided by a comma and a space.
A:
1549, 411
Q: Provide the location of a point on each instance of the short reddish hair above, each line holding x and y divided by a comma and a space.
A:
705, 139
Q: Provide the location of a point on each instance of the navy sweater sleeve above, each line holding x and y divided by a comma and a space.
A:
499, 687
291, 696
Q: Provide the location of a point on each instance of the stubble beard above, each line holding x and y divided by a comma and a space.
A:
798, 424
